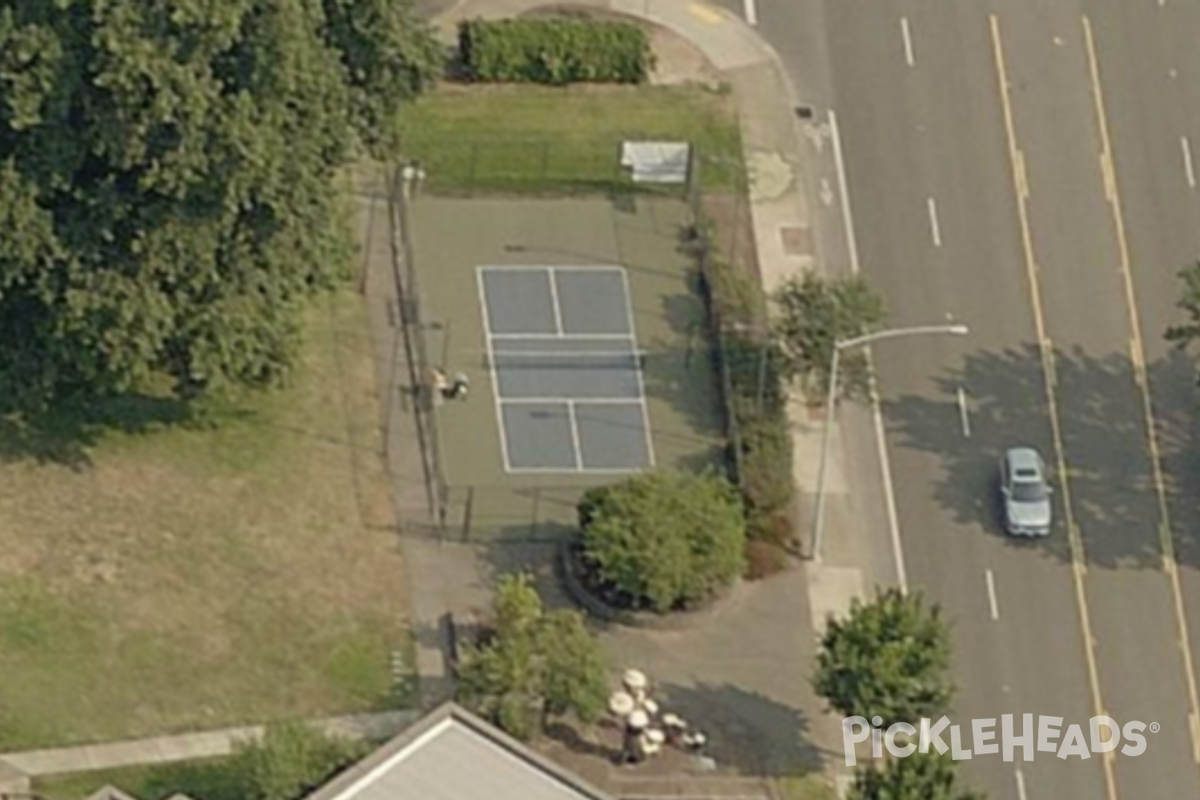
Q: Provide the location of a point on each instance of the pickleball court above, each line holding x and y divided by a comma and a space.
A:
567, 374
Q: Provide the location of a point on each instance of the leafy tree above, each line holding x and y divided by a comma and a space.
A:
814, 314
538, 664
889, 658
1187, 332
664, 539
918, 776
289, 761
166, 173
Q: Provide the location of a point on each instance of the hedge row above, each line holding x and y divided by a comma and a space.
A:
555, 51
757, 405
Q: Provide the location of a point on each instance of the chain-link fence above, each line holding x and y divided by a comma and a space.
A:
423, 393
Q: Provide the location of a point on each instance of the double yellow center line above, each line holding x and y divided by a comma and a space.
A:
1021, 187
1137, 355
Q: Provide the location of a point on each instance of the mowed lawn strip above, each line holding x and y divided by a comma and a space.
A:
531, 138
199, 575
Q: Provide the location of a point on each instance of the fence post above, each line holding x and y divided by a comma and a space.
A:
468, 512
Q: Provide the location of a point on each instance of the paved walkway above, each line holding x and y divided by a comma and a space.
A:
745, 675
188, 747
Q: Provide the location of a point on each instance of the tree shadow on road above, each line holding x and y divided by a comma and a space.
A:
1110, 480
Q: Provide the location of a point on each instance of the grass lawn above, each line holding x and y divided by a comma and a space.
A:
532, 138
173, 575
199, 780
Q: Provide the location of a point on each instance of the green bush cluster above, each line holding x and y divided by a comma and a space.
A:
762, 446
554, 50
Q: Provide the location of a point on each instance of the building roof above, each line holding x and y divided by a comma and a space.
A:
454, 755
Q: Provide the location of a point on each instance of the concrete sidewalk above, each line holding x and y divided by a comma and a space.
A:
189, 747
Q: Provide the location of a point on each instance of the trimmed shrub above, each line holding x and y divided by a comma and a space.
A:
554, 50
664, 540
757, 404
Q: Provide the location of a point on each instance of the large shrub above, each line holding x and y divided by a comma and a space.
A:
555, 51
664, 540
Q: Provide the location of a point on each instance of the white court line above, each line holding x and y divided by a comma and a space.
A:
564, 336
640, 383
575, 435
561, 267
933, 221
963, 413
558, 323
835, 136
991, 592
1021, 775
751, 11
589, 401
487, 326
1187, 161
908, 47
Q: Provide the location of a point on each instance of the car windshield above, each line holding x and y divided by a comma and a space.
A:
1029, 492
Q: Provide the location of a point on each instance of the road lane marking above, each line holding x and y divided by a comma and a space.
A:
908, 47
931, 204
1020, 785
963, 413
885, 466
1166, 538
751, 8
991, 590
1110, 180
1075, 541
1022, 178
851, 243
889, 492
1187, 161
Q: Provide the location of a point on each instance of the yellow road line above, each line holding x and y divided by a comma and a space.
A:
1020, 188
706, 13
1165, 536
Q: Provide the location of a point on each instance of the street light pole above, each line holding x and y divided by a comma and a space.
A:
831, 404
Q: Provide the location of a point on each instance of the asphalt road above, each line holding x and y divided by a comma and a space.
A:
1097, 619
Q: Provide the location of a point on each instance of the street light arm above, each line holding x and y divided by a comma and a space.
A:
896, 333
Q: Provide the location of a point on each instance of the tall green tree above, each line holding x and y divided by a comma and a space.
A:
166, 173
664, 539
289, 761
538, 664
928, 776
889, 658
813, 314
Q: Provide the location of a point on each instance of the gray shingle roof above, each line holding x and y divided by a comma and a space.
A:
453, 755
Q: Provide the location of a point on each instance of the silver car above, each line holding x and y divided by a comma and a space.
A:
1027, 508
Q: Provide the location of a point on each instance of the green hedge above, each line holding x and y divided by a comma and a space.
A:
762, 448
555, 51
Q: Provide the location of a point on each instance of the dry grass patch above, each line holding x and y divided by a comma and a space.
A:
194, 574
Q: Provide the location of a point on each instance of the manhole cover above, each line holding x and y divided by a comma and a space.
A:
796, 241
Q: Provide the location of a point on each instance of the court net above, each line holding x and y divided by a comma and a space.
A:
585, 360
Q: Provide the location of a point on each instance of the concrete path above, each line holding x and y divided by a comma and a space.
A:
189, 747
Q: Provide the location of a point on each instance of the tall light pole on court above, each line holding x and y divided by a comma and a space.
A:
831, 404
